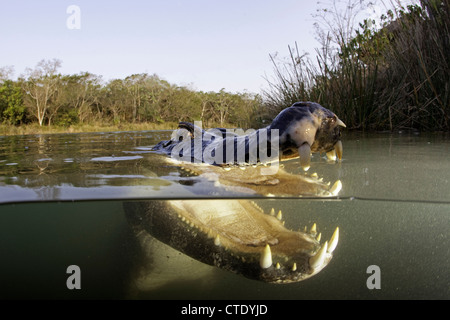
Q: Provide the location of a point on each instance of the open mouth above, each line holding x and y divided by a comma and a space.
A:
235, 235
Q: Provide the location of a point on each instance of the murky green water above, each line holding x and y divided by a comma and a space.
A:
61, 202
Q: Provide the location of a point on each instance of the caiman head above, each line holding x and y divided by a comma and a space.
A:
302, 128
307, 127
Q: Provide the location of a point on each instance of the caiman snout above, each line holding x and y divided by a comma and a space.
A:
307, 127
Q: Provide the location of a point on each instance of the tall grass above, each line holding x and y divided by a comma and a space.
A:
388, 78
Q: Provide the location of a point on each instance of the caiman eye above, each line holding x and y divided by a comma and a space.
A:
326, 122
330, 122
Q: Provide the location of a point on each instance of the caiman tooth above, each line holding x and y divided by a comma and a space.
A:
266, 258
294, 267
272, 212
304, 151
331, 155
319, 236
318, 259
339, 149
313, 229
256, 205
336, 188
277, 266
217, 240
333, 241
339, 122
279, 215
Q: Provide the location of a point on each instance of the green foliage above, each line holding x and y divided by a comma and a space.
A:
12, 109
49, 98
67, 118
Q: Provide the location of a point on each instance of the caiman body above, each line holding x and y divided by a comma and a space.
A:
236, 235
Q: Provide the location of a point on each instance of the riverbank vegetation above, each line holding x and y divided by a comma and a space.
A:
43, 100
389, 74
385, 74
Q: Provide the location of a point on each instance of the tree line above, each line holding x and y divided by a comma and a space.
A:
43, 95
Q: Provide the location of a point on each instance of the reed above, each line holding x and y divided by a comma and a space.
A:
392, 78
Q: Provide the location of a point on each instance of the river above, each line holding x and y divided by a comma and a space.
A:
61, 204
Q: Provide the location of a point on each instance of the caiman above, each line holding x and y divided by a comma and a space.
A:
236, 235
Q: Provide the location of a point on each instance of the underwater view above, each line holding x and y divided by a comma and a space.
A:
70, 208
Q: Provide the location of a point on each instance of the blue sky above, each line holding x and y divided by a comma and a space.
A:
207, 44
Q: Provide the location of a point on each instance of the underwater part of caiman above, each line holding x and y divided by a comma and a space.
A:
235, 235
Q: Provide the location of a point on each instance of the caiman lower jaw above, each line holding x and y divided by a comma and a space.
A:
235, 235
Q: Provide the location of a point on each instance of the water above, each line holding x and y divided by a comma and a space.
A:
61, 202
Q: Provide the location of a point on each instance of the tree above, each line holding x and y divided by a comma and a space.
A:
135, 87
12, 109
114, 100
6, 72
77, 96
40, 86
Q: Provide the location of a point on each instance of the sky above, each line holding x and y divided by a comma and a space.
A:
204, 44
